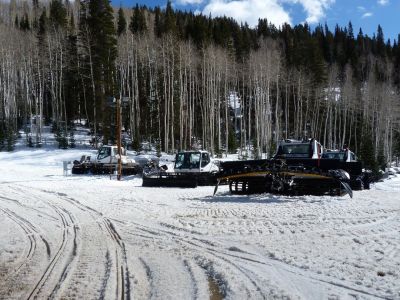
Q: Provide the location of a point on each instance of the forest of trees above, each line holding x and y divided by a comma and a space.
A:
196, 80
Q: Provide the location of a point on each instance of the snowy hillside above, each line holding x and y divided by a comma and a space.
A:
89, 237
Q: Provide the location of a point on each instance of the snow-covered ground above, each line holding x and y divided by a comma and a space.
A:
89, 237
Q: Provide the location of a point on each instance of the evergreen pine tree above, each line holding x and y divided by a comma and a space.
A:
380, 42
328, 45
198, 31
136, 144
121, 22
396, 146
170, 19
11, 138
42, 23
72, 139
101, 25
58, 14
157, 22
41, 31
72, 80
262, 28
256, 150
97, 18
158, 148
60, 136
232, 141
317, 64
2, 135
381, 159
138, 21
396, 63
367, 153
24, 23
351, 47
30, 142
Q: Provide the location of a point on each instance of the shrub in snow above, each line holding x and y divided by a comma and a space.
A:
72, 139
61, 139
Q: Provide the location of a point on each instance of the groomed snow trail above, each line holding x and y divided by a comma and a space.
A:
89, 237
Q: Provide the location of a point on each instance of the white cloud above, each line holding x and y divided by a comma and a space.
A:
383, 2
249, 11
186, 2
367, 15
315, 9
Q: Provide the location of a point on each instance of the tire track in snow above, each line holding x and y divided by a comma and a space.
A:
29, 231
363, 226
299, 272
40, 213
119, 269
68, 264
149, 277
123, 284
200, 248
152, 290
30, 234
192, 277
120, 265
34, 231
106, 277
61, 251
34, 257
123, 289
123, 280
213, 251
220, 255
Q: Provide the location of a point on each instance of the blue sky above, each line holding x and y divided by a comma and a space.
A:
366, 14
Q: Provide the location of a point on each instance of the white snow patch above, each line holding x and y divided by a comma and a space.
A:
92, 237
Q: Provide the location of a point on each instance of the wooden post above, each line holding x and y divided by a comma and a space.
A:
119, 171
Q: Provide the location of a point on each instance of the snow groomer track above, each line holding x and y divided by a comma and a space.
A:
89, 237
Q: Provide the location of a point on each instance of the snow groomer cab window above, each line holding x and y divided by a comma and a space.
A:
190, 160
180, 162
195, 160
296, 150
205, 159
104, 152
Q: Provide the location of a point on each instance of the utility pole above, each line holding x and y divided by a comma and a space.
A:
118, 103
119, 171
